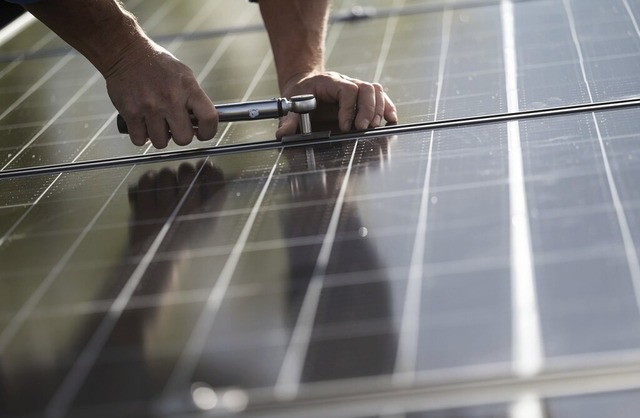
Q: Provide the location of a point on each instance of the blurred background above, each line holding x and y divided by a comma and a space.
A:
8, 12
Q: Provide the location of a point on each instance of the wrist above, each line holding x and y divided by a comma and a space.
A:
127, 41
289, 81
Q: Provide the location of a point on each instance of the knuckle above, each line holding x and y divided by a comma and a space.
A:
132, 113
364, 85
368, 108
351, 88
209, 118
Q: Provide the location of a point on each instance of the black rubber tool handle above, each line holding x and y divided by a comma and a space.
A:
233, 112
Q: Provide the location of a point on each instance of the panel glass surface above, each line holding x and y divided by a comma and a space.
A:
481, 270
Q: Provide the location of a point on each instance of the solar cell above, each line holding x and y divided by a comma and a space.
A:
615, 404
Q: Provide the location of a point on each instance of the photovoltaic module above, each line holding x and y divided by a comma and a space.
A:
477, 260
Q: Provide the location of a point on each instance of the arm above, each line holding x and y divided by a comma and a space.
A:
297, 31
134, 67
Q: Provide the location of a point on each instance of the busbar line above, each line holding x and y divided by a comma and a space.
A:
630, 248
406, 358
195, 345
389, 32
527, 405
632, 16
288, 382
625, 231
527, 340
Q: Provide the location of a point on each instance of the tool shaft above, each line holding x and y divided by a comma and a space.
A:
233, 112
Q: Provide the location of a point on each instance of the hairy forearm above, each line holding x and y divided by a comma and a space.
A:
101, 30
297, 31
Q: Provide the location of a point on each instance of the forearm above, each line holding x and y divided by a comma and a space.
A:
101, 30
297, 31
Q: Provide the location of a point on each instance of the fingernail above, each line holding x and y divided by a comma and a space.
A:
365, 124
377, 120
346, 126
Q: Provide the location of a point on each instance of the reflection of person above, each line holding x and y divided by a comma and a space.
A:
155, 92
342, 307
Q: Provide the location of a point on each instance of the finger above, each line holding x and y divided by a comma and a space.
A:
180, 126
204, 110
158, 131
366, 106
137, 131
390, 111
337, 88
347, 94
288, 125
380, 106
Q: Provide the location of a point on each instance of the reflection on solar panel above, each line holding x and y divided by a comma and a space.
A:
476, 269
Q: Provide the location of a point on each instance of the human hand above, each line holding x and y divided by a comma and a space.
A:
154, 92
352, 103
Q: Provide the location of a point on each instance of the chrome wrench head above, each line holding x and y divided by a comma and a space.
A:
302, 105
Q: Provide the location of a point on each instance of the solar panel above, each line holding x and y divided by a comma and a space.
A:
482, 267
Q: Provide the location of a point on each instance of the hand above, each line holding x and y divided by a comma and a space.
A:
154, 92
356, 103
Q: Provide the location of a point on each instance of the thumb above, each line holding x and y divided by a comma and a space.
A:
288, 125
